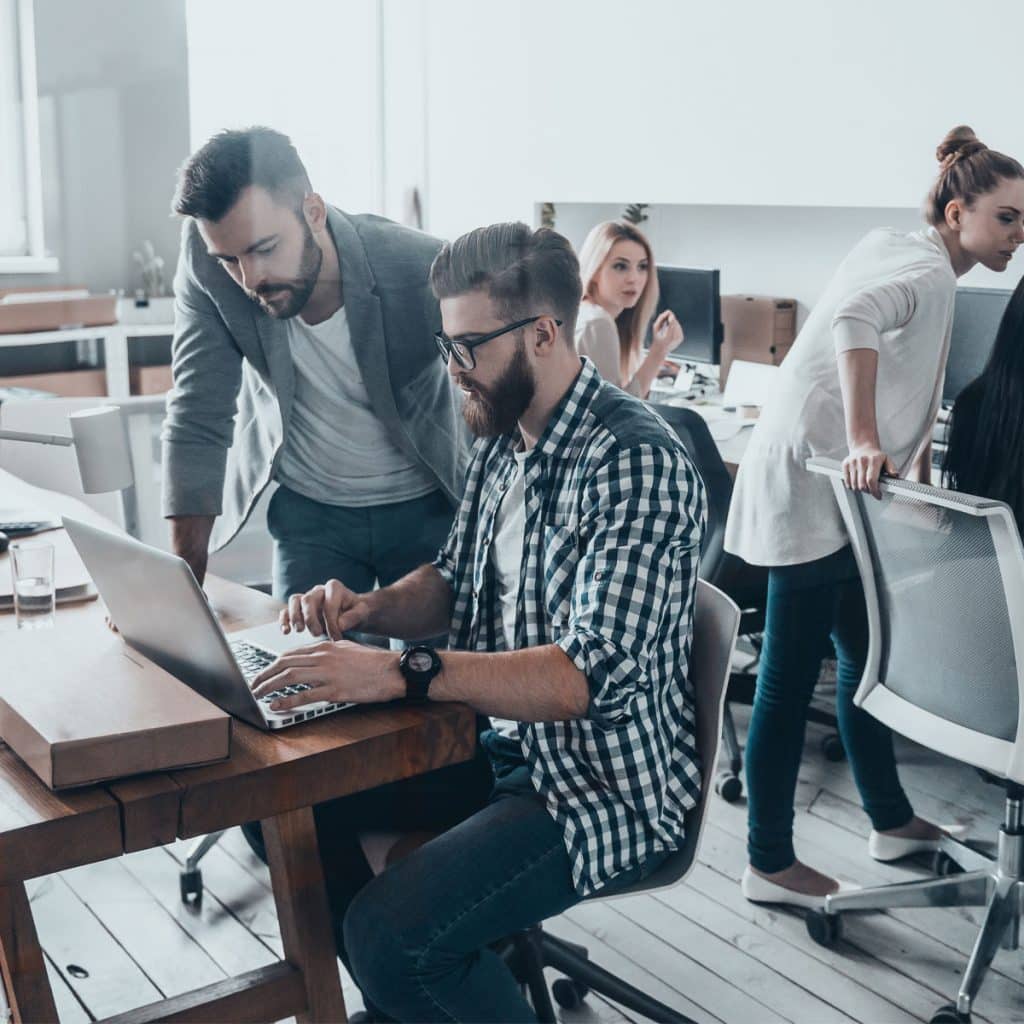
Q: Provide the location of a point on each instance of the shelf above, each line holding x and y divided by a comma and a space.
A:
115, 338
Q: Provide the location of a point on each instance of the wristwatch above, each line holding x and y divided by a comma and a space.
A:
419, 665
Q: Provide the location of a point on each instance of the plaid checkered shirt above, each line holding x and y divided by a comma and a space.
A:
615, 513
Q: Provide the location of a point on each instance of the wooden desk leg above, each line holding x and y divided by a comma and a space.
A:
21, 960
301, 898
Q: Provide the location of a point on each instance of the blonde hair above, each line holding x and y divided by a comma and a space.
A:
632, 323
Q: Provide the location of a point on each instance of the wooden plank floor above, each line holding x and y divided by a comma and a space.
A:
116, 934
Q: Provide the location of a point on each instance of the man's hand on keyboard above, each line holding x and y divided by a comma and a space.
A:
334, 671
330, 609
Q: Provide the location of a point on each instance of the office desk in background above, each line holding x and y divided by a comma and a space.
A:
730, 432
274, 778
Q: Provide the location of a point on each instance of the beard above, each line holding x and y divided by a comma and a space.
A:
495, 410
292, 295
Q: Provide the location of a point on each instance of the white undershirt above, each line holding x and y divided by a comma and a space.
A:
507, 549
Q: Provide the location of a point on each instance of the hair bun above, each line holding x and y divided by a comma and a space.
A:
959, 142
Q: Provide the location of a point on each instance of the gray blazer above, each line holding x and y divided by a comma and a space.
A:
234, 382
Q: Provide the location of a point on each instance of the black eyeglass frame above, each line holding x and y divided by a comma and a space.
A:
448, 348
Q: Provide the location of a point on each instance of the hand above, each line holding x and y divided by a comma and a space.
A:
666, 333
330, 608
334, 671
863, 467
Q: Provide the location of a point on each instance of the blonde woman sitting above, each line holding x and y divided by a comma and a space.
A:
620, 294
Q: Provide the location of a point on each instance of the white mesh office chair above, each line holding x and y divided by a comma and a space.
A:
943, 581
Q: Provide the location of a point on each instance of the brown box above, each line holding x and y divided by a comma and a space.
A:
79, 706
149, 380
67, 383
53, 314
757, 328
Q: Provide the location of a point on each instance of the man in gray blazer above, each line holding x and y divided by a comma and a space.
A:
303, 353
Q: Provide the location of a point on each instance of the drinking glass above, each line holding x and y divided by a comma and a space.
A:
34, 592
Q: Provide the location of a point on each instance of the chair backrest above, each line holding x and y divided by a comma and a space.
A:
943, 578
692, 430
716, 621
746, 584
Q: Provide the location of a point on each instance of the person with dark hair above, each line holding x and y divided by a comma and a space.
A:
862, 383
985, 436
567, 586
303, 353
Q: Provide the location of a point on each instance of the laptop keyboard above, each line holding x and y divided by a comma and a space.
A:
252, 661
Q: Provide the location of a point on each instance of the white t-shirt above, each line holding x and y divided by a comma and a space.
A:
507, 549
893, 293
337, 451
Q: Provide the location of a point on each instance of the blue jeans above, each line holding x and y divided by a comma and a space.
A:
806, 604
314, 542
417, 937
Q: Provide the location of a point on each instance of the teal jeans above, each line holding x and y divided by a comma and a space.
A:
807, 604
378, 544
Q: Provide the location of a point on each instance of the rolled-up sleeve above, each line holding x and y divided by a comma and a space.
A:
206, 365
862, 318
642, 524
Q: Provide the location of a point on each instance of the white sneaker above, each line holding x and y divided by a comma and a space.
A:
886, 848
760, 890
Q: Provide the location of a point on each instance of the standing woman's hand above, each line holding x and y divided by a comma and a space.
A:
864, 466
666, 334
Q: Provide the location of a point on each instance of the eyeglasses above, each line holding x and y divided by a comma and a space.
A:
463, 350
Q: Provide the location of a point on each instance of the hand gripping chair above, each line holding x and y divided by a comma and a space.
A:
746, 584
943, 581
716, 620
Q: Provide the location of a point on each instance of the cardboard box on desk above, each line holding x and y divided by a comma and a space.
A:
79, 706
43, 309
757, 329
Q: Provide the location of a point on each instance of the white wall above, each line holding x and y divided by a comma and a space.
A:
787, 251
305, 67
794, 103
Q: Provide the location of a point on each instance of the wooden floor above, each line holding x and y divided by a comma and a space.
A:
116, 935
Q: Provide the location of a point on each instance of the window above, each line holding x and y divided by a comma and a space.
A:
21, 211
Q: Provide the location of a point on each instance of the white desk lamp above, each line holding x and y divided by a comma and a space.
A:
101, 448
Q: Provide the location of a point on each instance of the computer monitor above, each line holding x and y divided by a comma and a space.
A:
693, 297
976, 317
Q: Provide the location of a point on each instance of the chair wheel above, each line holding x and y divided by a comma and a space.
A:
944, 865
729, 787
949, 1014
825, 929
569, 994
192, 887
832, 748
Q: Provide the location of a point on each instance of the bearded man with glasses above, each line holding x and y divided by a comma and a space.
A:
567, 587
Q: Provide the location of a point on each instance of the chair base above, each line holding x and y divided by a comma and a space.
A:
971, 879
533, 950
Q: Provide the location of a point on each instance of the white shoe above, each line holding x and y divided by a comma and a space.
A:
760, 890
885, 847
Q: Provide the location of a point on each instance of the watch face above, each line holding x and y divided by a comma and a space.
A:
420, 661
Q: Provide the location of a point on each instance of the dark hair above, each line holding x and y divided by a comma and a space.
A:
967, 169
526, 272
211, 180
985, 456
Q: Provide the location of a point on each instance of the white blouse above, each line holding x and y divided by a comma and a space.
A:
597, 338
893, 293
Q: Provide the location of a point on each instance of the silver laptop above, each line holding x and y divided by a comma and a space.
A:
161, 611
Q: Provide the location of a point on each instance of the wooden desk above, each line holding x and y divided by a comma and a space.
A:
275, 778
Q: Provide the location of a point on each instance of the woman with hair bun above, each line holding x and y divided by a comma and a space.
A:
620, 294
861, 384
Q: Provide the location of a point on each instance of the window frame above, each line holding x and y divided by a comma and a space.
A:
35, 260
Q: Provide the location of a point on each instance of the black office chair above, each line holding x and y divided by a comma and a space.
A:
746, 584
